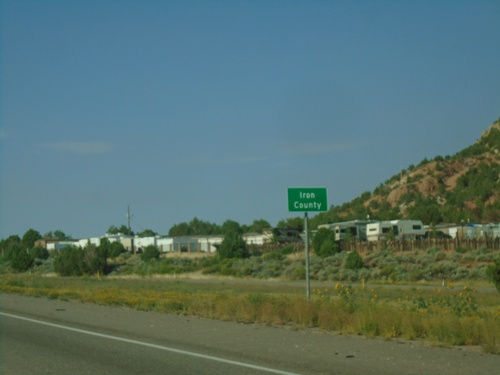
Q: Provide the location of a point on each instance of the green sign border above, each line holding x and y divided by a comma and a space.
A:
307, 199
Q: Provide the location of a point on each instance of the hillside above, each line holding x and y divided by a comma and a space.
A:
465, 186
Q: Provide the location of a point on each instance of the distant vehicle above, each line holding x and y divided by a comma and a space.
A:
397, 229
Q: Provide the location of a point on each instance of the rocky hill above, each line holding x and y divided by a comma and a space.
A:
465, 186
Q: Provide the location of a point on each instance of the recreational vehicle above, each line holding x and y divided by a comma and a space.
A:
398, 229
355, 229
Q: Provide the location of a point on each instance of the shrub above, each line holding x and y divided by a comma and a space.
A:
151, 252
287, 250
94, 260
21, 261
273, 255
324, 243
69, 262
115, 249
233, 246
353, 261
39, 253
493, 273
295, 271
74, 261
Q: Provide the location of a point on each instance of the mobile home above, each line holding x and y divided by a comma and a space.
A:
399, 229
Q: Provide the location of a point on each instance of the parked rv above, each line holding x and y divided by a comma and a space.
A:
355, 229
398, 229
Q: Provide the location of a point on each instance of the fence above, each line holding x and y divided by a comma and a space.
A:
396, 245
424, 244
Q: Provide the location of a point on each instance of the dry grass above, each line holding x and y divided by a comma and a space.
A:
444, 317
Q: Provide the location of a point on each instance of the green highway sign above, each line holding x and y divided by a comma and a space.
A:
308, 199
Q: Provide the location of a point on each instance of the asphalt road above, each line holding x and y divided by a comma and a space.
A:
41, 336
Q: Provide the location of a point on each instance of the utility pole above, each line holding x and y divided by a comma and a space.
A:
130, 230
128, 217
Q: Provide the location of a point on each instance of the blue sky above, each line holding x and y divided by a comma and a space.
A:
212, 109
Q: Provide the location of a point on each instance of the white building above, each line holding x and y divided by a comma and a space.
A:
190, 244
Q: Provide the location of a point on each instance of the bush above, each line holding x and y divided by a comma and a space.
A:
287, 250
151, 252
274, 255
493, 273
69, 262
324, 244
115, 249
74, 261
21, 261
39, 253
233, 246
353, 261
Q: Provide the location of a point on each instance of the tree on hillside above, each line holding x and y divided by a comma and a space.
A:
427, 210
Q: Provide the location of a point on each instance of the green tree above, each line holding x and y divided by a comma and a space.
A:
181, 229
21, 260
108, 249
199, 227
95, 260
233, 246
75, 261
123, 229
39, 252
324, 243
30, 237
231, 226
57, 234
147, 233
259, 226
115, 249
294, 222
7, 243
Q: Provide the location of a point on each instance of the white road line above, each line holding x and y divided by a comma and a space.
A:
160, 347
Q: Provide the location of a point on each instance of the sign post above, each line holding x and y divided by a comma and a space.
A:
308, 199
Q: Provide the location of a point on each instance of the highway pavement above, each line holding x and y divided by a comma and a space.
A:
42, 336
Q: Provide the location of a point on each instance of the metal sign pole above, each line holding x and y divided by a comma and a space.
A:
308, 282
307, 199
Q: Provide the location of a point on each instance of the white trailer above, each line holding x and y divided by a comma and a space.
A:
398, 229
355, 229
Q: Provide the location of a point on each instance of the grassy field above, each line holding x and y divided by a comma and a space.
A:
443, 316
